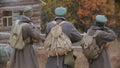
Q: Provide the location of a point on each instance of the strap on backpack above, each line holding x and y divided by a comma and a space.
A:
96, 33
54, 22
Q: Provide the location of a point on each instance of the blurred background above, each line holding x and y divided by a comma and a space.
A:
80, 12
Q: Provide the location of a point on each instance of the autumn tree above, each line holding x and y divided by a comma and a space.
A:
47, 11
117, 14
80, 12
89, 9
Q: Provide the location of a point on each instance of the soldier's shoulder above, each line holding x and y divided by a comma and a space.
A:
27, 26
49, 23
68, 23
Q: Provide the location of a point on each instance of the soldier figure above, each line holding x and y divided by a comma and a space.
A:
69, 29
26, 57
103, 37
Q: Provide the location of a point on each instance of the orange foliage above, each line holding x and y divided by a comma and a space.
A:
90, 8
80, 12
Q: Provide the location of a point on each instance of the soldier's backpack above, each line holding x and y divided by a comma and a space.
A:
16, 39
57, 43
90, 49
4, 55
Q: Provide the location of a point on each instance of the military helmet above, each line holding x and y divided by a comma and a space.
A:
60, 11
28, 11
101, 19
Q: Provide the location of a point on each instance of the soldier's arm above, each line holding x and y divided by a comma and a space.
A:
34, 33
48, 28
108, 35
75, 36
